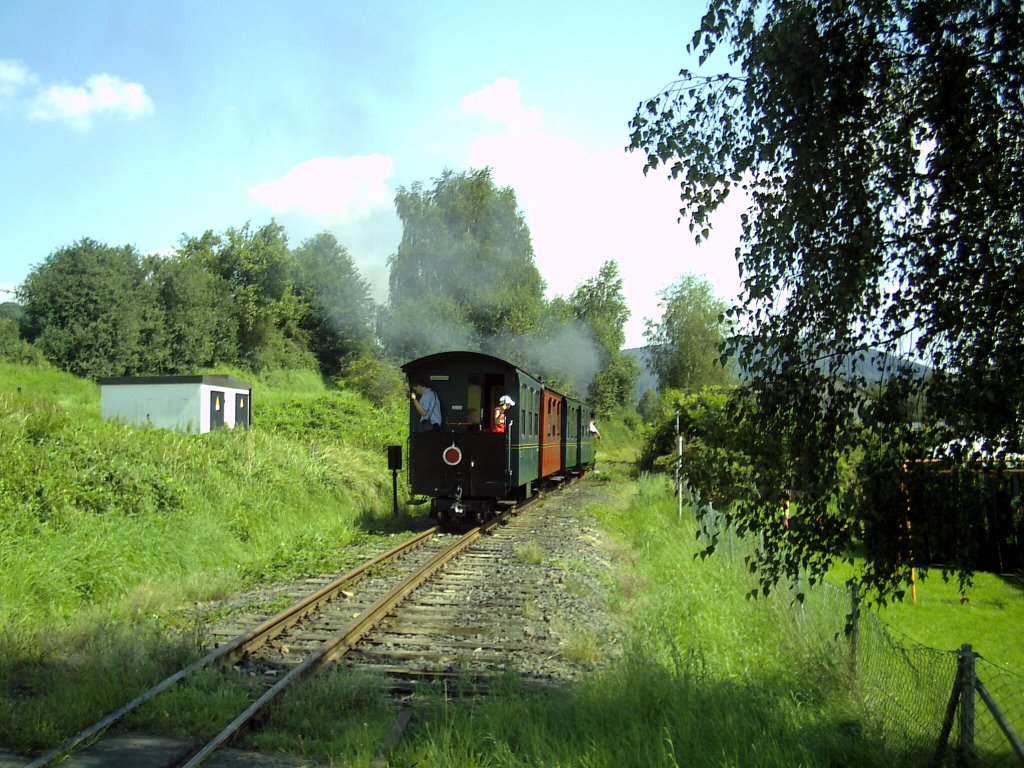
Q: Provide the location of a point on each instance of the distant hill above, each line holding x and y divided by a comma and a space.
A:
874, 366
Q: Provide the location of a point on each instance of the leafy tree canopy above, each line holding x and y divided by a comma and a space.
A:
880, 145
464, 270
15, 349
600, 304
257, 265
10, 310
684, 346
339, 308
87, 310
200, 328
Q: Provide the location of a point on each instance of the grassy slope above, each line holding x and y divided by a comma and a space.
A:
107, 533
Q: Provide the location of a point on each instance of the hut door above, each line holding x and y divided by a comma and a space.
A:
216, 409
242, 410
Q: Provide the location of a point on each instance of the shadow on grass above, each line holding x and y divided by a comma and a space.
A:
643, 716
55, 684
408, 518
637, 715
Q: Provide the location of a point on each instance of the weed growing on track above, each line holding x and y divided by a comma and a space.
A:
52, 680
337, 714
581, 645
531, 552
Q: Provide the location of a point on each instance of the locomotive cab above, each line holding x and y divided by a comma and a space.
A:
468, 469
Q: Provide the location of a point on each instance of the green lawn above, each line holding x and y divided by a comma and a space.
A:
990, 617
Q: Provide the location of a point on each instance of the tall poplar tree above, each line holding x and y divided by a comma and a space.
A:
464, 273
599, 303
685, 345
338, 309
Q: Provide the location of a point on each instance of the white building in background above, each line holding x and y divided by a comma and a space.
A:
181, 403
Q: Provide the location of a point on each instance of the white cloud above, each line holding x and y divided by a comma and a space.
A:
334, 190
500, 102
102, 95
14, 76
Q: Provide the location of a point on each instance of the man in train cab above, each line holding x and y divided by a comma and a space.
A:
498, 421
427, 405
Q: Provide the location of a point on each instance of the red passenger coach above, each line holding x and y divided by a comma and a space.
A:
552, 407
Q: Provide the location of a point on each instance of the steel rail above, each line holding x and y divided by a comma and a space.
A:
242, 643
340, 644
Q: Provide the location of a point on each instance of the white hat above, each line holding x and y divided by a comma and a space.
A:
506, 399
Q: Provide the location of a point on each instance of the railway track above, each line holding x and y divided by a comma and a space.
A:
245, 644
477, 619
432, 610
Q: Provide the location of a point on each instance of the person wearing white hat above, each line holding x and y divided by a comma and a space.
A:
498, 422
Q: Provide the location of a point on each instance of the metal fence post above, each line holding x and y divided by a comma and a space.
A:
967, 681
679, 479
855, 627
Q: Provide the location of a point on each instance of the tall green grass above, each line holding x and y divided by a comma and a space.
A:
709, 679
621, 437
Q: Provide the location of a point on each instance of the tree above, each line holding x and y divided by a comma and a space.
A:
257, 266
599, 304
87, 308
339, 310
15, 349
464, 274
199, 327
880, 144
685, 345
9, 310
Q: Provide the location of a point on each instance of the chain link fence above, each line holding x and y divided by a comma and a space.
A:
933, 707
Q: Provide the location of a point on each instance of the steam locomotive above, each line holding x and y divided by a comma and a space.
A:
468, 469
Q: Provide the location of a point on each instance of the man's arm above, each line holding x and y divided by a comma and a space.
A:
416, 404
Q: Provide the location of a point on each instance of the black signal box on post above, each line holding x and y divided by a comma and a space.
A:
395, 458
395, 465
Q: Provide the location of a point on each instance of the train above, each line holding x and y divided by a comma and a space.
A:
465, 466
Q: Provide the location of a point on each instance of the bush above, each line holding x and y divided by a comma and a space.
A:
15, 349
381, 383
712, 459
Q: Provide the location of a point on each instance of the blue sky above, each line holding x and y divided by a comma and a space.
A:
133, 122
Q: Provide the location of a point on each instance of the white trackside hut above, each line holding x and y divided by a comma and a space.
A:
181, 403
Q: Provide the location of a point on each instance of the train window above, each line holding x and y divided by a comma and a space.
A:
530, 417
528, 411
